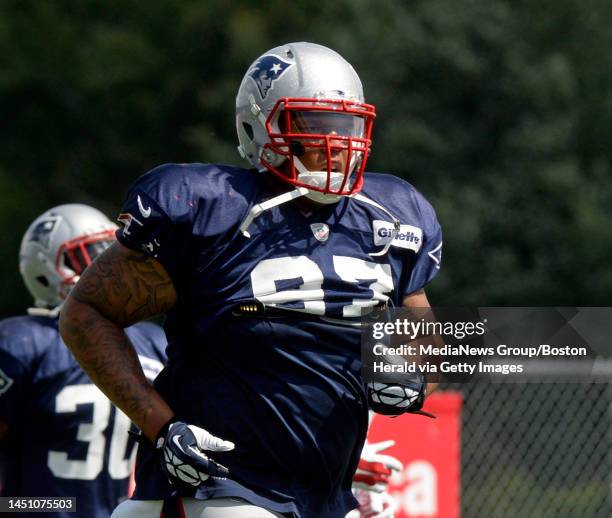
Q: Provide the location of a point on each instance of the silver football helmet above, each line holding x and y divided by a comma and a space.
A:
57, 247
300, 114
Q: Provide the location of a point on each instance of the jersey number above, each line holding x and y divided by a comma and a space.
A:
92, 433
267, 277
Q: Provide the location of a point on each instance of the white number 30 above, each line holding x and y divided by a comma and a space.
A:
92, 433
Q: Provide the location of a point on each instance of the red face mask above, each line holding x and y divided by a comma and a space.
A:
326, 143
78, 253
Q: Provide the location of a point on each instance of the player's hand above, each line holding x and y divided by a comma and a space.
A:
374, 468
375, 505
183, 450
396, 398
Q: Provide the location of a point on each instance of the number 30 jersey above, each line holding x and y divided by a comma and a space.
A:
65, 438
285, 389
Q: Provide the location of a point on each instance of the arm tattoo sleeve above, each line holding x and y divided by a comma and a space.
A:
120, 288
126, 286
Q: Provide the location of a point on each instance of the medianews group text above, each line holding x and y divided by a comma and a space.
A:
466, 350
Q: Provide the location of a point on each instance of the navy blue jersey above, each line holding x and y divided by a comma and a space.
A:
64, 436
286, 390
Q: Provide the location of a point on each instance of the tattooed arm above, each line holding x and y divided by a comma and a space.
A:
120, 288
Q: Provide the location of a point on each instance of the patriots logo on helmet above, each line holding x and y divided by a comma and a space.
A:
267, 70
41, 233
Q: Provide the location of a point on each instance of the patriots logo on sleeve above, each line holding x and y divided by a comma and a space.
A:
267, 70
126, 219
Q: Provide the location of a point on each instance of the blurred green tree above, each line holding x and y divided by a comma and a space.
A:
500, 112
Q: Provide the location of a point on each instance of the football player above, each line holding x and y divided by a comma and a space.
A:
59, 434
263, 274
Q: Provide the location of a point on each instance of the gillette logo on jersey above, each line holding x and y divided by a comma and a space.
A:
409, 237
267, 70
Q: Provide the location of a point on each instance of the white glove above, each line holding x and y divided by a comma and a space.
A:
183, 450
374, 469
375, 505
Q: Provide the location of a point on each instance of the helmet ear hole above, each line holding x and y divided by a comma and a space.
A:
248, 129
43, 280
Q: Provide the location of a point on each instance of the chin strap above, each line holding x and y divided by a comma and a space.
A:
259, 208
268, 204
44, 312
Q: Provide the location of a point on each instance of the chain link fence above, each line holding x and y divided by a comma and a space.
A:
538, 450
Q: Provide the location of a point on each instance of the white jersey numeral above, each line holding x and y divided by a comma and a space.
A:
120, 460
353, 270
92, 433
269, 272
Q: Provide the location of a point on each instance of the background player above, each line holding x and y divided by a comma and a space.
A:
60, 436
263, 274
